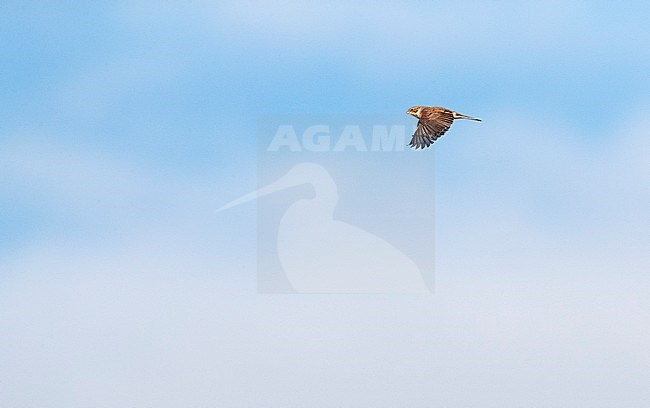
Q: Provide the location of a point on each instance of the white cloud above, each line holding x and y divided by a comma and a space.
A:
166, 314
429, 34
117, 330
550, 200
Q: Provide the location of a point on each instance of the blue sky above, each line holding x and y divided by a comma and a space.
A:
123, 125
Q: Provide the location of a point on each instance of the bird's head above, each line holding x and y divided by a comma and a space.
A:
415, 111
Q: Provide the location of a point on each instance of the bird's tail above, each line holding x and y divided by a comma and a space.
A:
461, 116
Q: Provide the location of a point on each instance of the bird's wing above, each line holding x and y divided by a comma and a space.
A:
430, 128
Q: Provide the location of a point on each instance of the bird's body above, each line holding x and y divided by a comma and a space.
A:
433, 122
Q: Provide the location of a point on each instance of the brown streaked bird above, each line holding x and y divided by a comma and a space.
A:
433, 122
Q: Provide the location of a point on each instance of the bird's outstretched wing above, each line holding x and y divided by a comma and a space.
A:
431, 126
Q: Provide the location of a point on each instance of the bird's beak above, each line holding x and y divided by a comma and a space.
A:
284, 182
272, 188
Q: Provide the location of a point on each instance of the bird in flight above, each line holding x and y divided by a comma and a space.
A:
433, 122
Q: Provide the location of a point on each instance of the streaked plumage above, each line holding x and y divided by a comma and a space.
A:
433, 122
